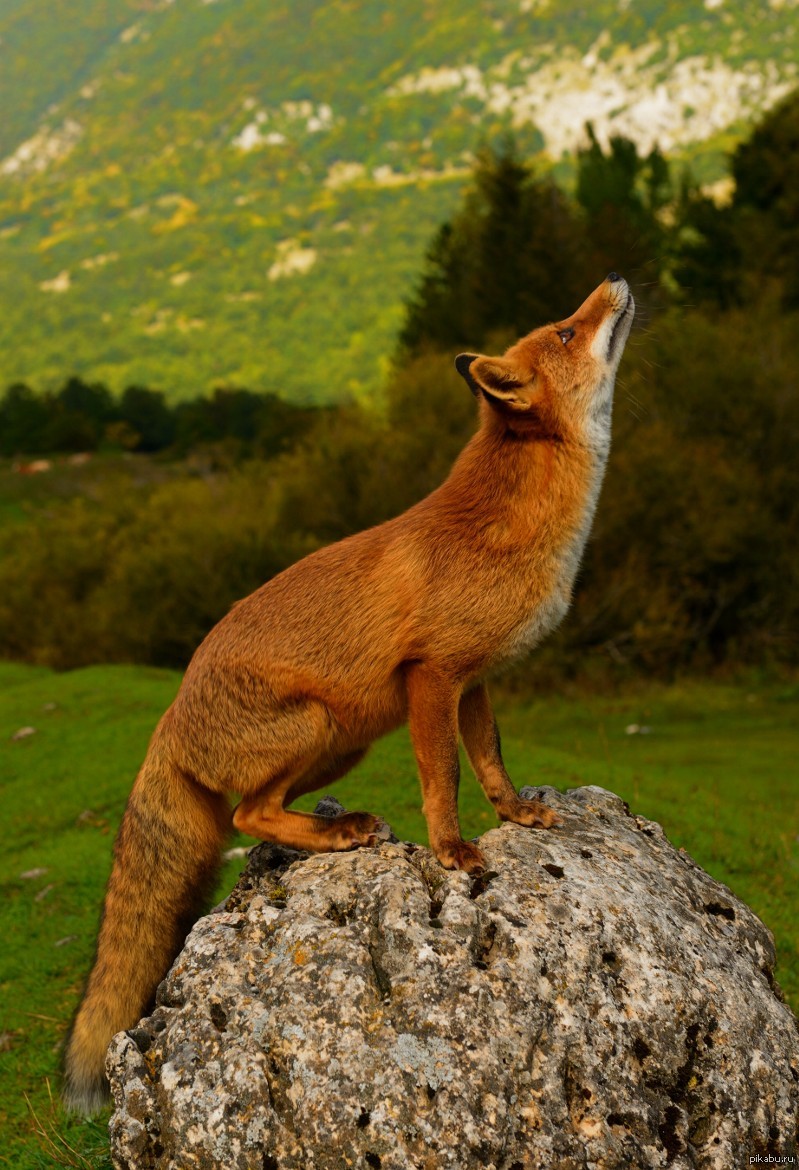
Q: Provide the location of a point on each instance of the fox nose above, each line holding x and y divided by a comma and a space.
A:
613, 277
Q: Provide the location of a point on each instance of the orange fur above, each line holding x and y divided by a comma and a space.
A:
400, 623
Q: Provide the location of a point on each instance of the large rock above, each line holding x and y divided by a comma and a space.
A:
594, 1000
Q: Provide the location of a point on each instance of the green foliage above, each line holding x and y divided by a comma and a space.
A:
262, 424
513, 254
518, 252
693, 559
693, 562
24, 421
136, 579
152, 424
766, 201
729, 254
708, 260
139, 248
622, 195
81, 412
80, 417
766, 166
73, 419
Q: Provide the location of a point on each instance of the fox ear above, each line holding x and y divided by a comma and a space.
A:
496, 378
463, 365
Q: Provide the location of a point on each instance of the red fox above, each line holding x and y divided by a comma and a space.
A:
401, 622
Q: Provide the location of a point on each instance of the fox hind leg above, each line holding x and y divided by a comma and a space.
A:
264, 814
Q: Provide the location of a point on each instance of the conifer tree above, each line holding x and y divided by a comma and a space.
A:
511, 258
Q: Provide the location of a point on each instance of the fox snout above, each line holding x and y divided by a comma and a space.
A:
605, 318
623, 307
611, 294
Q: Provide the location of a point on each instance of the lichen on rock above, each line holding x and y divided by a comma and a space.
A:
594, 1000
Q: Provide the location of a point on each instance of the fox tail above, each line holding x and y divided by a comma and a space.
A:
166, 857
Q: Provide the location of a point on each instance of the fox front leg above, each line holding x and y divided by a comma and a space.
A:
480, 736
433, 720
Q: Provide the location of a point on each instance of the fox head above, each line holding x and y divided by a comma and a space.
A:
559, 379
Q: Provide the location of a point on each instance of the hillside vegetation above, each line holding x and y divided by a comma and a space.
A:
693, 564
204, 192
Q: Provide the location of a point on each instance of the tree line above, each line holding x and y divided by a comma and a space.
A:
85, 416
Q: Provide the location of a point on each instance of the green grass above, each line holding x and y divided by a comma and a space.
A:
717, 770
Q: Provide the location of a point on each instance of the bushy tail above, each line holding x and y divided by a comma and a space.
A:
166, 856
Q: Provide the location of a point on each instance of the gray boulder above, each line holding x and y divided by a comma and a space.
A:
594, 1000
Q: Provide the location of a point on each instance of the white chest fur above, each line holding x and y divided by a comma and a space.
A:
561, 567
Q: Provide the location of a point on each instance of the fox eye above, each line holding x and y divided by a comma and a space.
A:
565, 335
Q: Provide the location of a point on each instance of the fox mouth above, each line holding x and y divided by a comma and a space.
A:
625, 316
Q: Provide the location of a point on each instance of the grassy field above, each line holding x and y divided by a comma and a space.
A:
717, 769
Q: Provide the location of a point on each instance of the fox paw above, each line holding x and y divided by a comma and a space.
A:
461, 855
358, 828
531, 813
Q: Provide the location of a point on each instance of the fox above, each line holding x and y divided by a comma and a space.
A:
403, 622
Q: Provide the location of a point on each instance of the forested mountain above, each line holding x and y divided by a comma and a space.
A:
204, 192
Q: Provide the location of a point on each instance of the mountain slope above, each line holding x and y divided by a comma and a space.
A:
205, 191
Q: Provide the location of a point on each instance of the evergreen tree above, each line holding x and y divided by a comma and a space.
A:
766, 200
519, 252
729, 254
147, 413
80, 413
24, 421
621, 194
510, 259
707, 262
